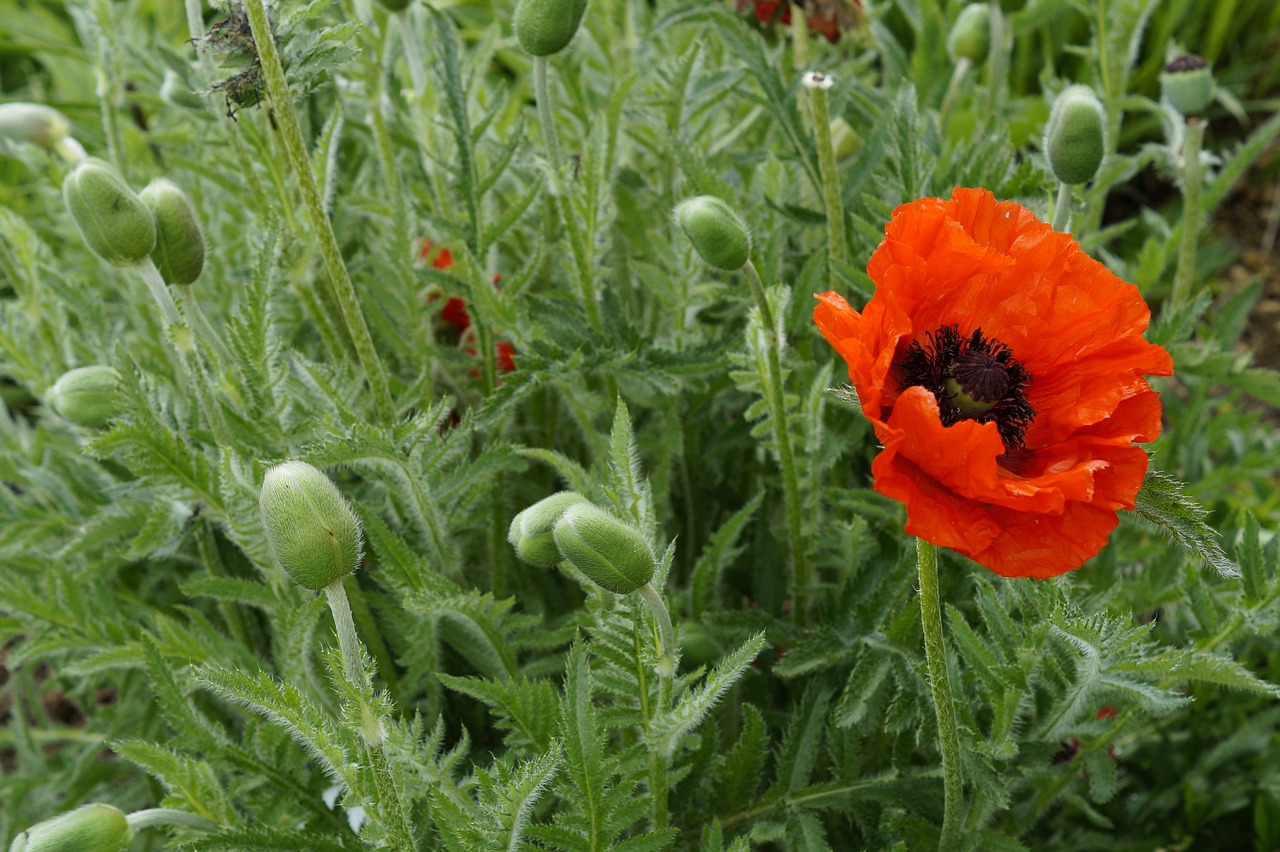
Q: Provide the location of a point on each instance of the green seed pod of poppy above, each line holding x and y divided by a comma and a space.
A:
531, 530
545, 27
610, 553
718, 234
970, 36
1187, 83
91, 828
179, 251
1074, 135
114, 222
87, 396
311, 528
35, 123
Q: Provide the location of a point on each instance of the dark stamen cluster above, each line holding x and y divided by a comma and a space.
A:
986, 371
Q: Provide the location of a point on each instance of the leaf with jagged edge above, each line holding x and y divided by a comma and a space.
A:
506, 796
712, 840
666, 732
738, 772
263, 839
289, 709
624, 481
192, 784
525, 708
720, 552
1163, 503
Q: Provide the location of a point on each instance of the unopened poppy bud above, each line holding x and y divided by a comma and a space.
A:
844, 139
697, 646
718, 234
1187, 83
35, 123
179, 251
114, 222
531, 530
87, 396
544, 27
1074, 135
92, 828
970, 36
311, 528
606, 550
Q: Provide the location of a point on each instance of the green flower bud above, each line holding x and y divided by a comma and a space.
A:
114, 222
718, 234
1187, 83
544, 27
311, 528
697, 646
1074, 135
531, 530
970, 36
35, 123
179, 251
844, 139
606, 550
87, 396
92, 828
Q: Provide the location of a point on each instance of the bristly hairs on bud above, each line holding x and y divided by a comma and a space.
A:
1074, 138
311, 528
717, 232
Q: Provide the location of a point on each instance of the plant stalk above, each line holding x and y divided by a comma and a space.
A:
1192, 184
837, 247
1062, 208
296, 149
168, 816
801, 573
944, 705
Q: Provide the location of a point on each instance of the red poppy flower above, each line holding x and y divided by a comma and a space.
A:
455, 313
1003, 370
506, 354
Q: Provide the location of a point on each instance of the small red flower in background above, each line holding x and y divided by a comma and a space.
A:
455, 311
1002, 370
826, 17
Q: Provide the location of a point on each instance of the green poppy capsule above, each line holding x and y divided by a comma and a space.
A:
1187, 83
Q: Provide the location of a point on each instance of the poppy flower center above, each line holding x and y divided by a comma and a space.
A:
972, 378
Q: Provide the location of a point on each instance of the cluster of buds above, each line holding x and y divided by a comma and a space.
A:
567, 527
125, 228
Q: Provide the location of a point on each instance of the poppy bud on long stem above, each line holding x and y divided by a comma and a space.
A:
115, 223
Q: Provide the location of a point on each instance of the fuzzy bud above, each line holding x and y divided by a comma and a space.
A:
606, 550
1187, 83
970, 36
545, 27
114, 222
35, 123
717, 232
92, 828
1074, 135
87, 396
531, 530
179, 251
311, 528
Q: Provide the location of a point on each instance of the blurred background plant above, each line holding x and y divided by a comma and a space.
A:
156, 655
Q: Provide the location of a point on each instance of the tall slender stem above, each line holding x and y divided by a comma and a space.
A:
659, 761
1192, 183
546, 117
665, 629
940, 682
295, 147
168, 816
963, 64
348, 641
837, 247
159, 292
996, 59
1062, 208
775, 399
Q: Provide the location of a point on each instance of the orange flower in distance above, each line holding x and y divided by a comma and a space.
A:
1003, 370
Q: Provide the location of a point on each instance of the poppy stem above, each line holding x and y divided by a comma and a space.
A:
837, 247
801, 576
943, 703
1191, 185
343, 290
1062, 208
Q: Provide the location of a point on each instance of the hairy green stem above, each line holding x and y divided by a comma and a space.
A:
1192, 183
152, 817
1062, 208
295, 147
108, 89
159, 292
200, 323
668, 651
837, 247
348, 641
940, 682
546, 117
774, 397
997, 59
668, 659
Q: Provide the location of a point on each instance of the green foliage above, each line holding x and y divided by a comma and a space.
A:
156, 656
